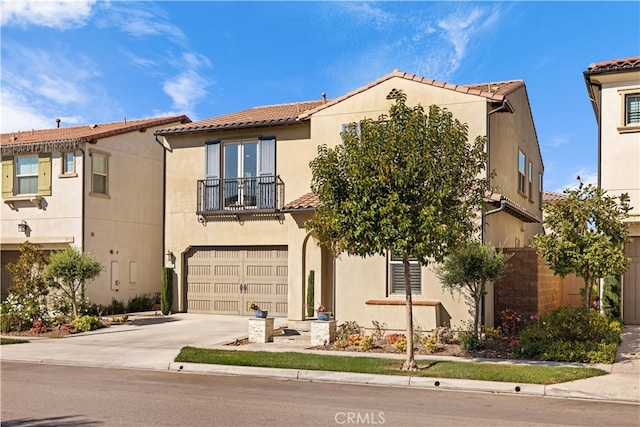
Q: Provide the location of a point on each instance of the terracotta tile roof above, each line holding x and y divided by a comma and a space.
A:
623, 64
306, 202
86, 132
511, 207
550, 196
253, 117
496, 91
295, 112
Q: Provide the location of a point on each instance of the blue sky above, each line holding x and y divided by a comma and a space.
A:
90, 62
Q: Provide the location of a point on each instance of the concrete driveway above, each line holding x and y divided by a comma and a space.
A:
145, 342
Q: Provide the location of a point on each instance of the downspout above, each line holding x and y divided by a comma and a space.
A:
164, 203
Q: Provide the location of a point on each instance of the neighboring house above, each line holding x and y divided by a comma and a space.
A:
237, 199
614, 91
96, 187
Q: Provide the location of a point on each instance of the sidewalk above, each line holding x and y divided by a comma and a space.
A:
152, 342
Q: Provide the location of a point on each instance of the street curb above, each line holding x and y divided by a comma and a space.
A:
366, 379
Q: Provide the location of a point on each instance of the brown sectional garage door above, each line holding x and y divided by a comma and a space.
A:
222, 280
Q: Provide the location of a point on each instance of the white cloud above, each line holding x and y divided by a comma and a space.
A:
140, 19
558, 140
62, 15
186, 89
17, 114
460, 27
366, 13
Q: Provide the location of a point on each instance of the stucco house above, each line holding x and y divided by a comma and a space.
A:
96, 187
237, 199
614, 91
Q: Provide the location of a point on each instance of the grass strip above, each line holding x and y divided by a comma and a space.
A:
528, 374
6, 341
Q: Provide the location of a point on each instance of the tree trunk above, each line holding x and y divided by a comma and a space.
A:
410, 363
476, 317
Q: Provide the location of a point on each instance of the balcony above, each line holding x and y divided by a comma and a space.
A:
231, 196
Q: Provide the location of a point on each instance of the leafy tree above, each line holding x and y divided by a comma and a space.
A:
587, 235
29, 288
69, 270
28, 272
467, 272
408, 182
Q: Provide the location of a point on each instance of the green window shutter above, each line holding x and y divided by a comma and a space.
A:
7, 176
44, 174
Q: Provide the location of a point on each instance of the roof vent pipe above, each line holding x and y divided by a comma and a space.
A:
324, 96
58, 123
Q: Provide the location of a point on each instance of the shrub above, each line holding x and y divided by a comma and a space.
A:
350, 327
39, 327
492, 333
611, 297
87, 323
378, 329
401, 344
430, 342
511, 324
445, 335
166, 298
366, 343
139, 303
354, 339
570, 334
469, 340
27, 307
13, 322
394, 338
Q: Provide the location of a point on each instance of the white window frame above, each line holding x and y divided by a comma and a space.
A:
105, 174
394, 263
19, 176
635, 112
530, 172
522, 172
65, 173
626, 125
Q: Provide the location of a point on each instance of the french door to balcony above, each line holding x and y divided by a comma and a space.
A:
240, 174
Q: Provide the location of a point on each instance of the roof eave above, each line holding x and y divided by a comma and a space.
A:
234, 126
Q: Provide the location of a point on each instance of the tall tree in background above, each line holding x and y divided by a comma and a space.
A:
587, 235
408, 182
69, 270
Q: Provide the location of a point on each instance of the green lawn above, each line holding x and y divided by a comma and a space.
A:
529, 374
5, 341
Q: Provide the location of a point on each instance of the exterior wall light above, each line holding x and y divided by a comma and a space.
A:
23, 226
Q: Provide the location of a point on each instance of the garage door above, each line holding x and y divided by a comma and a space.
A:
222, 280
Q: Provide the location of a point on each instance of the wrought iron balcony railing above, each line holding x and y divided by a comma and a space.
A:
233, 195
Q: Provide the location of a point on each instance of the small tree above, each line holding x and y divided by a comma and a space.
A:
468, 271
28, 272
407, 182
587, 235
30, 286
69, 270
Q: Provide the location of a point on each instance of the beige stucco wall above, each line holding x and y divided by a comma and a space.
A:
57, 223
124, 231
620, 150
